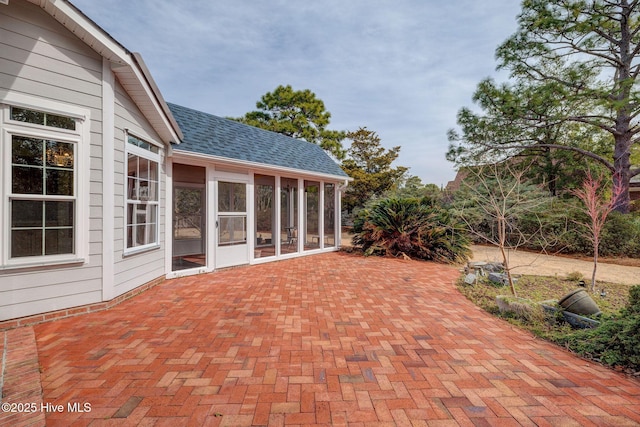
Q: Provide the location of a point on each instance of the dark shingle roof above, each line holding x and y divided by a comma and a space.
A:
211, 135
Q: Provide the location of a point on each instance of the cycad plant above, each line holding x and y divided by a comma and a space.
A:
412, 228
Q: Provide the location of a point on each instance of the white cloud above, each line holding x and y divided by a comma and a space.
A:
401, 68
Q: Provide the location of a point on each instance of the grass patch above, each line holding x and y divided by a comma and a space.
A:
541, 288
618, 334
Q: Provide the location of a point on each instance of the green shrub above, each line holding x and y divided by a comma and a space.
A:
620, 235
562, 231
558, 231
412, 227
558, 227
574, 276
616, 341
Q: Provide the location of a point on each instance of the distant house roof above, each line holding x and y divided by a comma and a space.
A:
634, 188
224, 138
453, 186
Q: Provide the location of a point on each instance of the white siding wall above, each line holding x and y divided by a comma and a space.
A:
40, 58
136, 269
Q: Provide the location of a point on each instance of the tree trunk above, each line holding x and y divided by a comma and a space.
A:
505, 262
502, 240
623, 134
622, 173
552, 173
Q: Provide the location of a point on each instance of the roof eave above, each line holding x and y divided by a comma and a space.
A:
85, 29
177, 153
162, 104
128, 67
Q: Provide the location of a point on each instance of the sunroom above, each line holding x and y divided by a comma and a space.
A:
243, 195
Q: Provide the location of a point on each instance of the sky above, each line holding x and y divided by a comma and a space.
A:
401, 68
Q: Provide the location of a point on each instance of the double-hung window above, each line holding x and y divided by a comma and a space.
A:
41, 189
143, 161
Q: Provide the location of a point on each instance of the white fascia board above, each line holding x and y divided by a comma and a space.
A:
282, 170
158, 95
103, 43
171, 132
97, 35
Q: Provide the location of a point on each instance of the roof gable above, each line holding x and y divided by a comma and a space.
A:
127, 66
224, 138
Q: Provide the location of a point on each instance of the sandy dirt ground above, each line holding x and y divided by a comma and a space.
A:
524, 262
547, 265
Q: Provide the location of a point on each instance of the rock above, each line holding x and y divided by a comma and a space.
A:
495, 267
500, 278
470, 279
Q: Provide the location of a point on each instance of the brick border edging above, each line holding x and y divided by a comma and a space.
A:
35, 319
21, 379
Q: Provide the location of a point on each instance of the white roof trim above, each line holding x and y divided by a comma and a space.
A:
154, 93
86, 29
129, 67
178, 154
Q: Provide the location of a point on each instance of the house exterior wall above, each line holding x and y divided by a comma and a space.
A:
134, 269
45, 67
47, 71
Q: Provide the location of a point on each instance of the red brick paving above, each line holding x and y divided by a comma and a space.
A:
20, 379
332, 339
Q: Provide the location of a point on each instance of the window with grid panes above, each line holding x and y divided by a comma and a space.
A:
42, 194
143, 161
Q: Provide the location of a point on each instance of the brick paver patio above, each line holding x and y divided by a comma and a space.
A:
333, 339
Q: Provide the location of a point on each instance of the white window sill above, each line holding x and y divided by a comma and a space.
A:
140, 250
66, 262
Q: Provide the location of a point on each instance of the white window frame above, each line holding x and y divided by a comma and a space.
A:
154, 157
80, 138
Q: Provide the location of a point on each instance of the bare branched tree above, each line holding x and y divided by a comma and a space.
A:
497, 197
